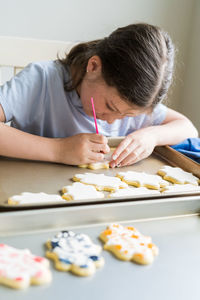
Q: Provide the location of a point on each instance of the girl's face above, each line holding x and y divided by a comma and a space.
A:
109, 106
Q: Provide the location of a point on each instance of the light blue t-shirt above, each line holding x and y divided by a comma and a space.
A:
35, 101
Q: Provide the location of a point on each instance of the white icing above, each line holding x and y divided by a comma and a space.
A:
143, 179
123, 236
101, 181
16, 263
180, 175
28, 198
79, 191
181, 188
133, 192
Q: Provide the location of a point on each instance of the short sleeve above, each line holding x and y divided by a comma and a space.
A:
159, 114
21, 96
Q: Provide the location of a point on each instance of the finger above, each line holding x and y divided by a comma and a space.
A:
95, 157
98, 138
129, 150
122, 146
133, 158
104, 148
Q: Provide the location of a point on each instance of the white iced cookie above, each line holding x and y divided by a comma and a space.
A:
34, 198
101, 181
127, 243
96, 166
180, 188
20, 268
74, 252
131, 191
177, 175
141, 179
80, 191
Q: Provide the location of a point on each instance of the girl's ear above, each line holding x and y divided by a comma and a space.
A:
94, 67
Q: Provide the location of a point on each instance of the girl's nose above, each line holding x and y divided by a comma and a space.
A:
110, 119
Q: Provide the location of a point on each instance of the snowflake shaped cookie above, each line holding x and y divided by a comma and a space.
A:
142, 179
34, 198
127, 243
20, 268
74, 252
101, 181
80, 191
177, 175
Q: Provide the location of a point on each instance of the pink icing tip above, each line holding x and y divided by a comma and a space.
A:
18, 278
38, 258
94, 114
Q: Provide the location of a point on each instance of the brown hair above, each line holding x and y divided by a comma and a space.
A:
137, 60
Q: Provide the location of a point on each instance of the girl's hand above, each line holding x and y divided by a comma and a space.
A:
136, 146
82, 148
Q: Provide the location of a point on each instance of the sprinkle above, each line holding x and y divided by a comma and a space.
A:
118, 247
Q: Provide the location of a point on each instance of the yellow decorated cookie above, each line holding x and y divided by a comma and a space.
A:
127, 243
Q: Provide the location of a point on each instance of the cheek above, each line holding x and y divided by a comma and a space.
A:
87, 107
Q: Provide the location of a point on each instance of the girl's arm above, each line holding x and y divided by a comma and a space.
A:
78, 149
141, 143
174, 129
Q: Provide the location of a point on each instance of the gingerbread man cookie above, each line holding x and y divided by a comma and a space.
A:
20, 268
74, 252
34, 198
127, 243
101, 181
177, 175
80, 191
141, 179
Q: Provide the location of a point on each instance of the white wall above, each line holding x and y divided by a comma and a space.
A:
190, 102
77, 20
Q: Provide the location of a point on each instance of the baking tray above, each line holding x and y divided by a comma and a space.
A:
173, 225
17, 176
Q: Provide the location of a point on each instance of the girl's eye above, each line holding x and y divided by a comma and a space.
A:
109, 107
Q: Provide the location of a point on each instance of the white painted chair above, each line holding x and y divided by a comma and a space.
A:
16, 53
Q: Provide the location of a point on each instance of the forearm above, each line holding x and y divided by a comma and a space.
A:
173, 132
19, 144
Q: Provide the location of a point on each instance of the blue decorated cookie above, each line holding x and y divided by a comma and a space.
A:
74, 252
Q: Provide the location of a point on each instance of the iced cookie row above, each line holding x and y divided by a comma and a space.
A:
74, 252
130, 183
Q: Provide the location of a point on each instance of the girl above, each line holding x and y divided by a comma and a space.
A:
128, 75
